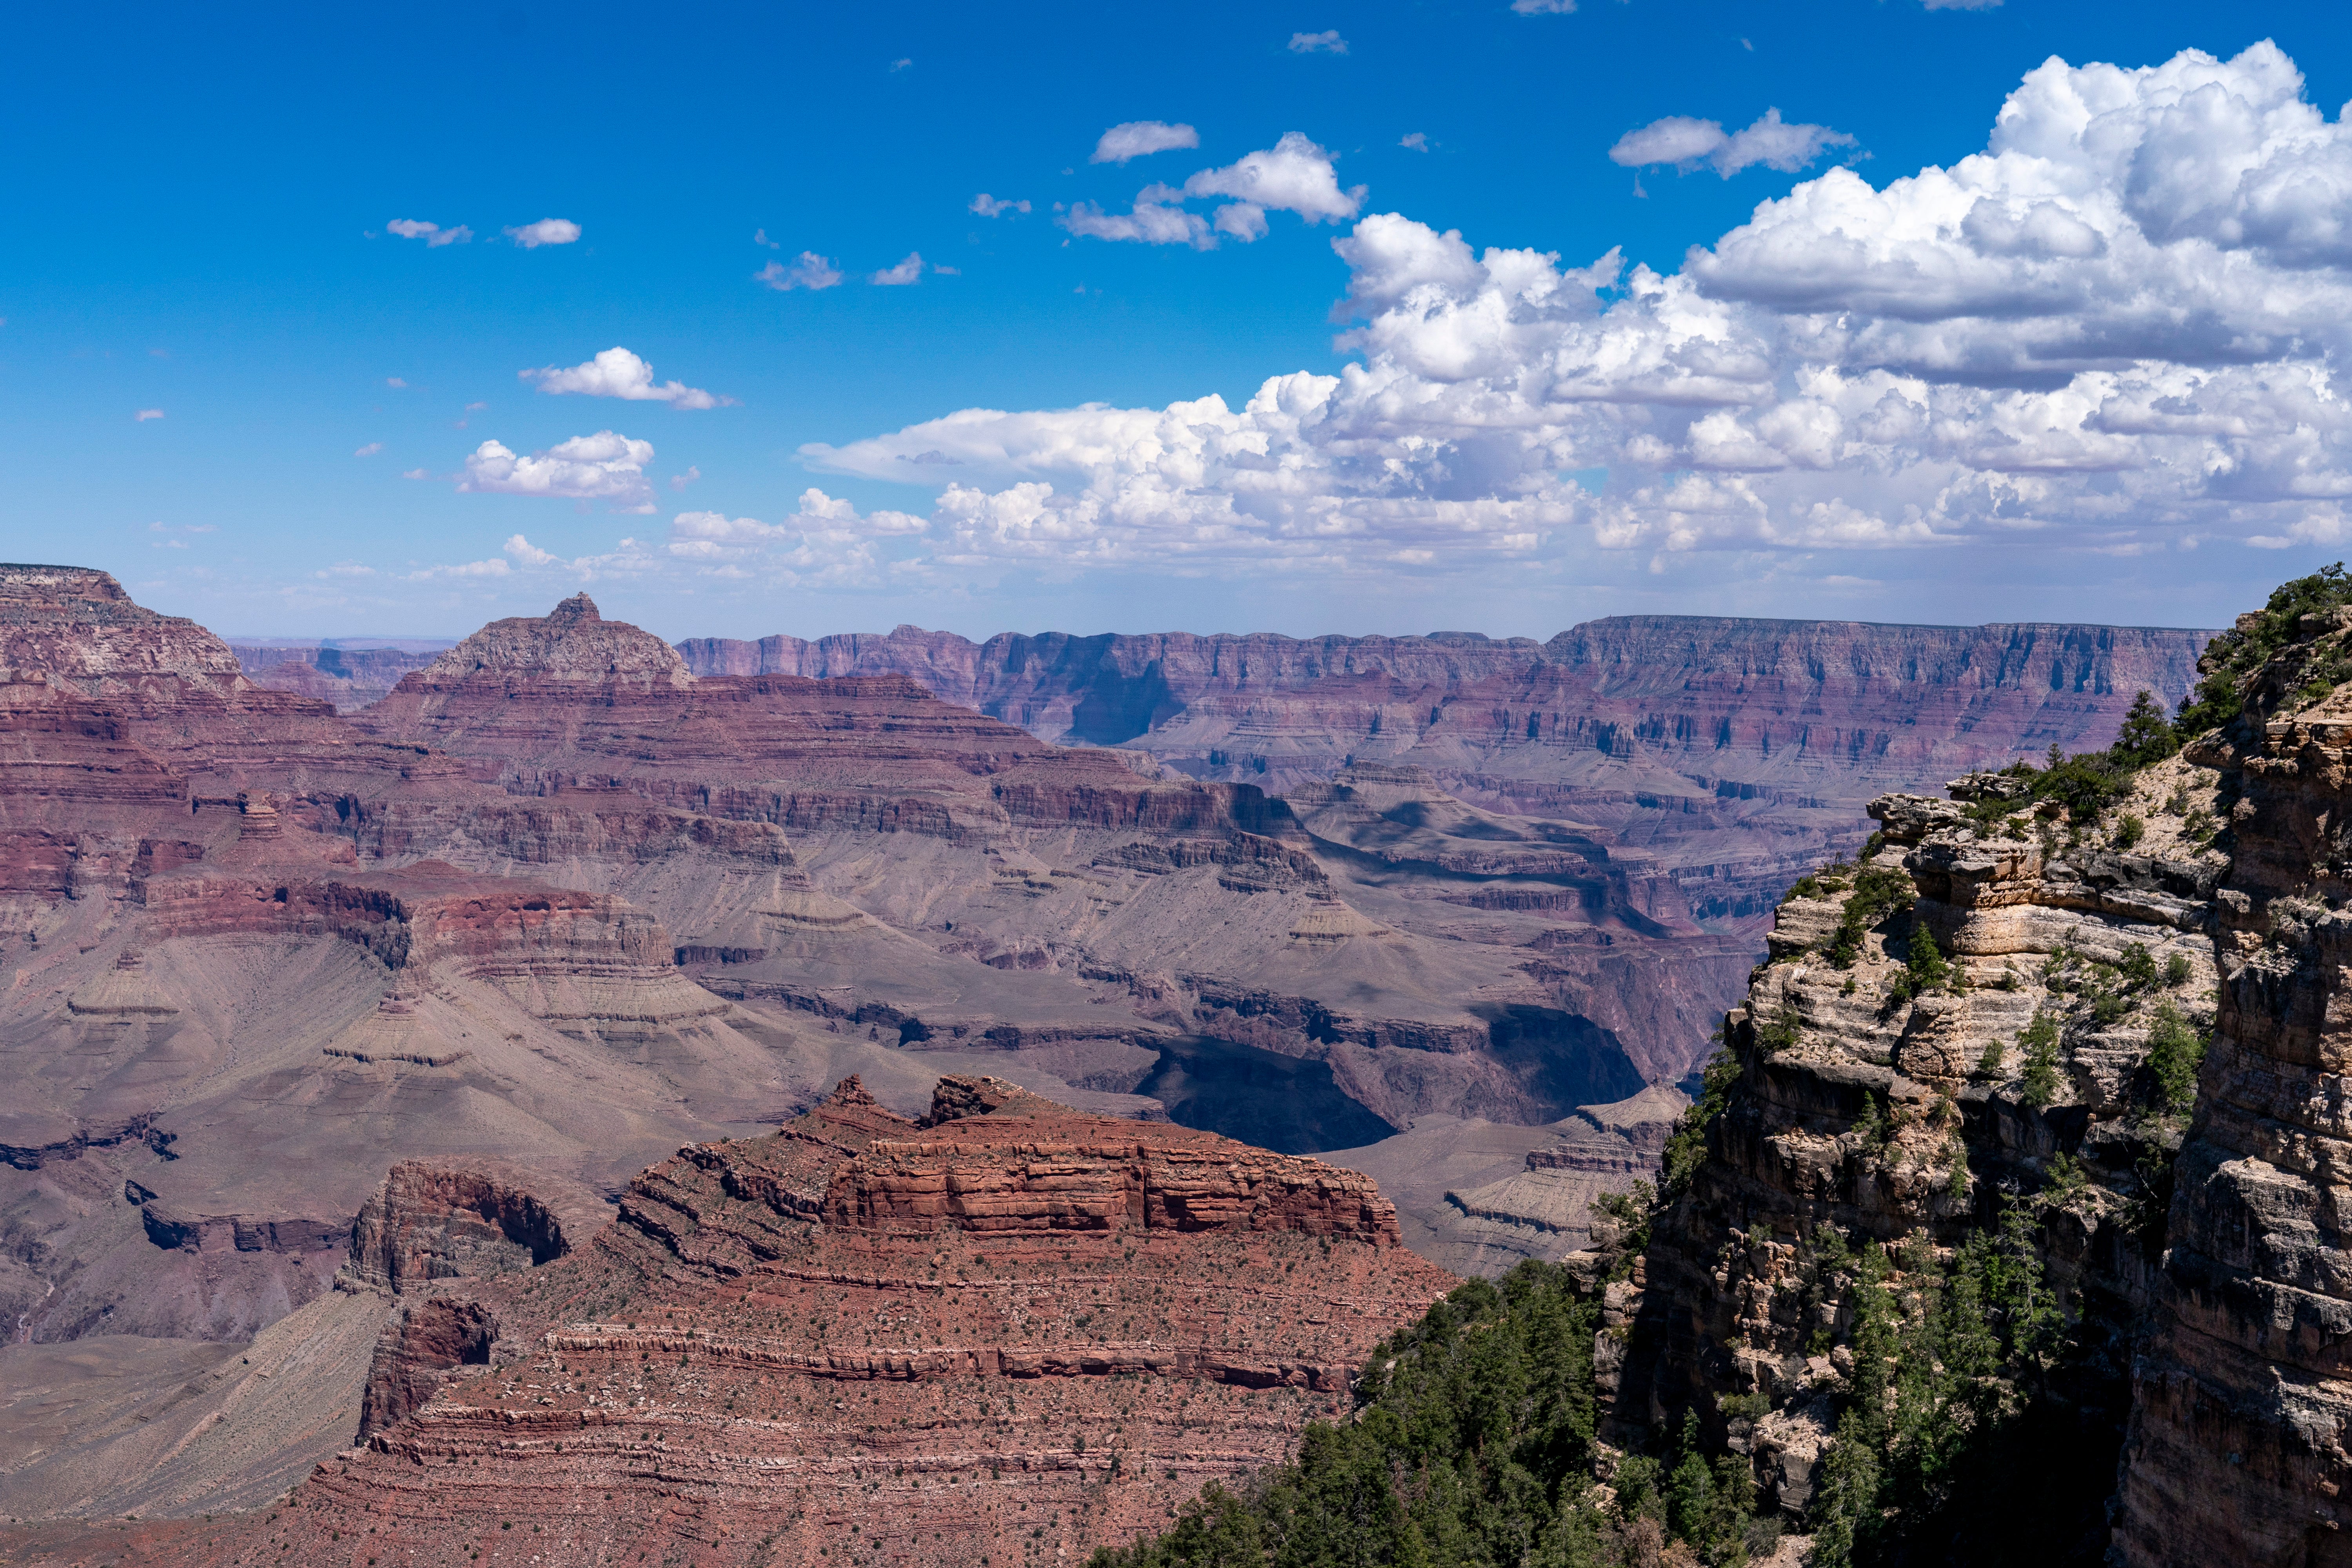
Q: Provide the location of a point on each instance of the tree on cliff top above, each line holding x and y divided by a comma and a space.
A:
2231, 661
1472, 1445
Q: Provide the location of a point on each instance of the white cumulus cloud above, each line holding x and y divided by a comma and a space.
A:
1293, 175
602, 466
369, 450
1686, 143
2117, 328
825, 542
1139, 138
546, 231
911, 270
629, 558
617, 372
432, 234
987, 205
809, 271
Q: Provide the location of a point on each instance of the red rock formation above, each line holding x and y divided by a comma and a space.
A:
1009, 1334
450, 1219
1741, 750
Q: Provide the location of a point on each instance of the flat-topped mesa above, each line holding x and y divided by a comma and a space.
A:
994, 1159
571, 643
75, 626
956, 1394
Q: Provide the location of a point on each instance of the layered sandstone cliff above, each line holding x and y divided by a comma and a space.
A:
1948, 1042
1740, 751
1005, 1331
2243, 1397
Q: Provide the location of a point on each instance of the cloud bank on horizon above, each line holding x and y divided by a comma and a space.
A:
2114, 327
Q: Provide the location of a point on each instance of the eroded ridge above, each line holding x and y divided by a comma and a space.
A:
1005, 1331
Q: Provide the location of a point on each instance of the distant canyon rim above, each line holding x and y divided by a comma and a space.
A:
1456, 913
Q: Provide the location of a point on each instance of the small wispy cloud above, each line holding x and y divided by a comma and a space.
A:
1418, 140
1327, 42
1543, 8
546, 231
617, 372
759, 237
144, 415
1141, 138
987, 205
811, 271
395, 381
493, 567
677, 481
432, 234
1686, 143
369, 450
911, 270
900, 65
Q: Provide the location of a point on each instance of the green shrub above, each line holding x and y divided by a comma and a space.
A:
1989, 1065
2131, 831
2175, 1051
2176, 971
1877, 893
1686, 1145
2231, 660
2138, 966
2040, 1041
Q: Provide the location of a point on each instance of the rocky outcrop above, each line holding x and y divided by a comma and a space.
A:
867, 1335
571, 643
2242, 1417
77, 628
466, 1218
1918, 1098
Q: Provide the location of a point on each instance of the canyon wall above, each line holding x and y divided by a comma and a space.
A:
1738, 750
349, 678
1954, 1041
2243, 1408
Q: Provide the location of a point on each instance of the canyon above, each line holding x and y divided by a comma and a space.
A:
417, 1071
1735, 753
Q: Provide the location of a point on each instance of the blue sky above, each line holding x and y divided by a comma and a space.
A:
199, 217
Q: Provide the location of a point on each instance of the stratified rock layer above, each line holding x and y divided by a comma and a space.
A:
2242, 1411
1741, 752
1007, 1332
1906, 1119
